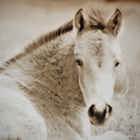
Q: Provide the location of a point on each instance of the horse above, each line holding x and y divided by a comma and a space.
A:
63, 82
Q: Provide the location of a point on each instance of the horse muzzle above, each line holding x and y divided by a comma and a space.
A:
99, 117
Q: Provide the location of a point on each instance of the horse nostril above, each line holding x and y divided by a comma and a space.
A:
109, 109
91, 111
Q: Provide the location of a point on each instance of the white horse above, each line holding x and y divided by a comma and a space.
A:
62, 82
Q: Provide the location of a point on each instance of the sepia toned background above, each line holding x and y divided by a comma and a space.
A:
21, 21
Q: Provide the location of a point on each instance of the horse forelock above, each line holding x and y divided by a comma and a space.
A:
100, 19
97, 20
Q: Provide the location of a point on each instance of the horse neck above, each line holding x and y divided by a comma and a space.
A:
49, 72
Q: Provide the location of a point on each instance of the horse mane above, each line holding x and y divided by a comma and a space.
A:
42, 40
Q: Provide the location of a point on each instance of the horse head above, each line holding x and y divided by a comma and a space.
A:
97, 54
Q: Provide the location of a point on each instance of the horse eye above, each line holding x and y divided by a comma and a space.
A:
117, 64
79, 62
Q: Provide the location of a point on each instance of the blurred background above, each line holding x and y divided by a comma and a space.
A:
21, 21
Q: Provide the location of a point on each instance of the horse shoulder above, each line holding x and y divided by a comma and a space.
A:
18, 118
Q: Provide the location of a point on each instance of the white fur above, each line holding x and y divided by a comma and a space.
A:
99, 82
18, 118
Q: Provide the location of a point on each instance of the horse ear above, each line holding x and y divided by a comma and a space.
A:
81, 20
115, 22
